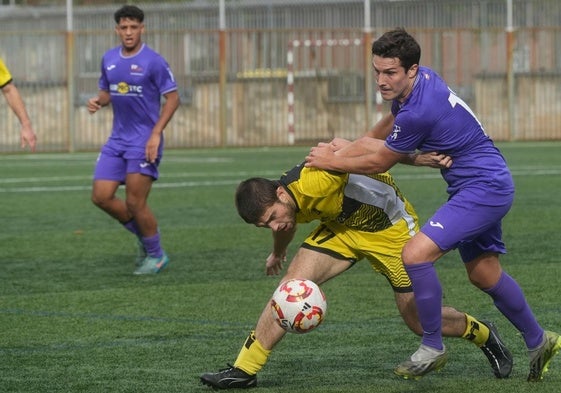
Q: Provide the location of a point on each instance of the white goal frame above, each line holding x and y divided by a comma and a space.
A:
307, 43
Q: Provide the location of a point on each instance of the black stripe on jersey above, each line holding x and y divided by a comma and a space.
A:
6, 84
292, 175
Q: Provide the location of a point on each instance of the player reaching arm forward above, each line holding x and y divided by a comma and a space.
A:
427, 116
343, 155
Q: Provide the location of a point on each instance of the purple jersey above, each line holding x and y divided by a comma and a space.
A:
433, 118
136, 84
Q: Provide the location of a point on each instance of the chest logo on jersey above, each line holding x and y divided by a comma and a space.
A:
125, 88
396, 130
136, 69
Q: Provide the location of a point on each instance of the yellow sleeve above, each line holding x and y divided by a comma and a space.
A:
320, 183
5, 76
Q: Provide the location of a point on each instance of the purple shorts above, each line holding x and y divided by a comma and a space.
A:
471, 222
114, 164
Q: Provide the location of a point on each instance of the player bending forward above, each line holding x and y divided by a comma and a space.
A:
361, 217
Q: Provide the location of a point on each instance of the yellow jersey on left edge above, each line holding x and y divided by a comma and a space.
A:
5, 76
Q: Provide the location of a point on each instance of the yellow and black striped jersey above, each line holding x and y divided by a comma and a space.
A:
368, 203
5, 76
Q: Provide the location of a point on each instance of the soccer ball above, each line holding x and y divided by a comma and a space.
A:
298, 305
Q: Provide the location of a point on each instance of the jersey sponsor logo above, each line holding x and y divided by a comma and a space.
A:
436, 224
136, 69
125, 88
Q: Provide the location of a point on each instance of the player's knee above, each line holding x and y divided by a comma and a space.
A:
134, 204
98, 200
407, 255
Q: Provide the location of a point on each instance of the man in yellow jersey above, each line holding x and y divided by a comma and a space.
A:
361, 217
15, 102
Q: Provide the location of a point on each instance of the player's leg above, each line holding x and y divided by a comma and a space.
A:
462, 217
466, 216
109, 173
308, 263
138, 187
384, 252
481, 257
383, 249
455, 323
486, 273
103, 196
140, 176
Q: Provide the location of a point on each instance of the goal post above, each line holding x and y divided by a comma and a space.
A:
290, 75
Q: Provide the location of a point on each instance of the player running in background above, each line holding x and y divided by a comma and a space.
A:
15, 102
361, 217
133, 79
427, 116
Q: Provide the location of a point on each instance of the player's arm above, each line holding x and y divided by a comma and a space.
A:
382, 128
102, 99
168, 109
431, 159
15, 102
281, 240
365, 156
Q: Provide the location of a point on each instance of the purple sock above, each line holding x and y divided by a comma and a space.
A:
152, 246
132, 227
510, 301
428, 298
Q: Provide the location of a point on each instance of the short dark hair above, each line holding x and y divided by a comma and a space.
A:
129, 12
400, 44
254, 196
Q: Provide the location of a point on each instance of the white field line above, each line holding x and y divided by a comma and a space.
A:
236, 177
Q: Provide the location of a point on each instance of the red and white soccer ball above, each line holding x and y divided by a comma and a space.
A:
298, 305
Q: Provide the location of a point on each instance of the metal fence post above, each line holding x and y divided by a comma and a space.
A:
366, 42
70, 89
222, 75
510, 72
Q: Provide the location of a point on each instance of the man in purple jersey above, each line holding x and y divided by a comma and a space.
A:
133, 79
427, 116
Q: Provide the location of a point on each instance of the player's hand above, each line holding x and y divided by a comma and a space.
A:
28, 138
273, 265
320, 156
152, 147
93, 105
339, 143
433, 160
